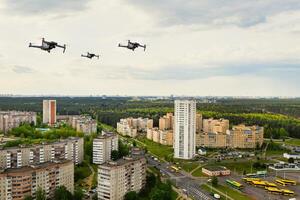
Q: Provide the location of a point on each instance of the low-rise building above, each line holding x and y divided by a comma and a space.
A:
15, 184
13, 119
215, 171
103, 146
117, 178
21, 156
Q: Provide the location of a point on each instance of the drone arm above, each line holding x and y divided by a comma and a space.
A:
34, 46
120, 45
62, 46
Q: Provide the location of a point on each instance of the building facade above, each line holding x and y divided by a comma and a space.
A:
15, 184
81, 123
185, 129
117, 178
13, 119
215, 125
49, 112
103, 146
132, 126
17, 157
164, 137
166, 122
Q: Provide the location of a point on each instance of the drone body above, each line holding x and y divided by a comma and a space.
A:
90, 55
48, 46
133, 45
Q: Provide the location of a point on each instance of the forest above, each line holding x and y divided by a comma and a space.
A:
280, 117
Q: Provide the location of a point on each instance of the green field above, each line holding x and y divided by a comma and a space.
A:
187, 166
226, 190
198, 173
294, 141
162, 151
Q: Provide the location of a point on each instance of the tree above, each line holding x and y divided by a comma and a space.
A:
291, 160
214, 181
28, 198
134, 143
114, 155
131, 196
61, 193
78, 194
40, 194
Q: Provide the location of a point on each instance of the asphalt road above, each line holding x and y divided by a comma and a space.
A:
182, 181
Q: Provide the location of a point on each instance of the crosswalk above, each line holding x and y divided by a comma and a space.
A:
198, 195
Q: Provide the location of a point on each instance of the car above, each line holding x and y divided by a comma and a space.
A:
217, 196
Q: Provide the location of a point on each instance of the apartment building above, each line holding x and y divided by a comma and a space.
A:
164, 137
117, 178
49, 112
132, 126
240, 136
215, 125
103, 146
13, 119
185, 129
15, 184
81, 123
21, 156
166, 122
199, 122
125, 128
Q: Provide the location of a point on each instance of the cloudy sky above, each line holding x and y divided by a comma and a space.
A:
195, 47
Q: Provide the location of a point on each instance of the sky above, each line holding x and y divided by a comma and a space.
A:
196, 48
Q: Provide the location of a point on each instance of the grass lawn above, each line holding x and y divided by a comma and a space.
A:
198, 173
157, 149
275, 152
187, 166
174, 195
230, 192
294, 141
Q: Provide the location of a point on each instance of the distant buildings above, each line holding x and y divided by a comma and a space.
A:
103, 146
166, 122
49, 112
215, 171
164, 137
117, 178
81, 123
131, 126
13, 119
240, 136
215, 125
185, 129
15, 184
22, 156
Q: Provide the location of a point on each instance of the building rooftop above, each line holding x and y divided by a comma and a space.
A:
215, 168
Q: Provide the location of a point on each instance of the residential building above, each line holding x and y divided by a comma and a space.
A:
81, 123
164, 137
215, 171
242, 136
15, 184
21, 156
131, 126
103, 146
13, 119
199, 122
215, 125
185, 129
166, 122
214, 140
117, 178
49, 112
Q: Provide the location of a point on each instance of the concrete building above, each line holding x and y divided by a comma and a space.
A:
117, 178
166, 122
132, 126
215, 171
49, 112
81, 123
215, 125
185, 129
242, 136
103, 146
21, 156
199, 122
164, 137
15, 184
13, 119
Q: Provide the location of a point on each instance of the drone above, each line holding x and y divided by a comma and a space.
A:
48, 46
90, 55
133, 45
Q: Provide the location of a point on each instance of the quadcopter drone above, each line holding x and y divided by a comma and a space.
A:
48, 46
133, 45
90, 55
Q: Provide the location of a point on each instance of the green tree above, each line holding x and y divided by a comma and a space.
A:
40, 194
291, 160
115, 155
214, 181
78, 194
61, 193
131, 196
28, 198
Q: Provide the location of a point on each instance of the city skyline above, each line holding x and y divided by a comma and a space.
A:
206, 48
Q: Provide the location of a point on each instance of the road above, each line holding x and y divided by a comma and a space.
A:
182, 181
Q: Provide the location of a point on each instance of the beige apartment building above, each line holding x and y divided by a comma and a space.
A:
103, 146
13, 119
117, 178
132, 126
166, 122
15, 184
164, 137
240, 136
81, 123
215, 125
21, 156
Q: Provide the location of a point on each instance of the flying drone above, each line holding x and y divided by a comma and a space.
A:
48, 46
133, 45
90, 55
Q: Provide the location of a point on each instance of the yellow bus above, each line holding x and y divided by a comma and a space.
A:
249, 180
280, 182
287, 192
263, 184
290, 182
273, 190
175, 168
